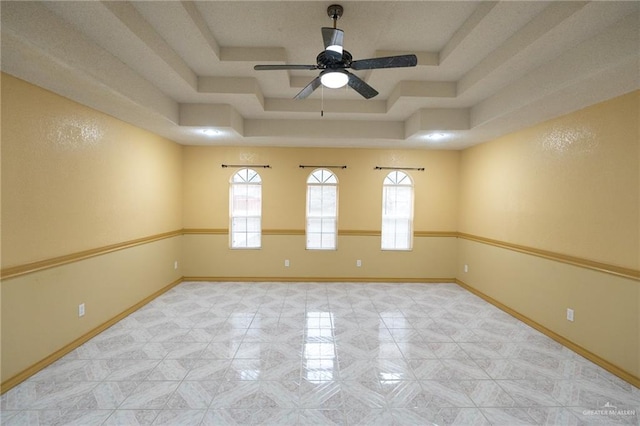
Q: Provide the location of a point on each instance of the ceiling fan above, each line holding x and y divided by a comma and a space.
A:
333, 62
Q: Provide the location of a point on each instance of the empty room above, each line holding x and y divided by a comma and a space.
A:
303, 212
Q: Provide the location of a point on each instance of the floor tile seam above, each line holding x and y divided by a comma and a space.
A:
134, 409
465, 408
164, 405
498, 382
74, 400
521, 406
531, 419
110, 414
143, 379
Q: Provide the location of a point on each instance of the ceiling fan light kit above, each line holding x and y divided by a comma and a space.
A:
333, 62
334, 79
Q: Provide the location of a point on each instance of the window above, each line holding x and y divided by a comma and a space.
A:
322, 210
245, 209
397, 211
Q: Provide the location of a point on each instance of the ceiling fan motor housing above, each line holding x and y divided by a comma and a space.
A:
328, 62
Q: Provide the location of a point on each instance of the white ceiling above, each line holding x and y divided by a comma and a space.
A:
176, 68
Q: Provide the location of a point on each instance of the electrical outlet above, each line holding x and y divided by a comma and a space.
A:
81, 310
286, 263
466, 268
175, 265
358, 263
569, 314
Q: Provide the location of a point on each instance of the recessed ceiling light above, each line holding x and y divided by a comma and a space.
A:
210, 132
436, 136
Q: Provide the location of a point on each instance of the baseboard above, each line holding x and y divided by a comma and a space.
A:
322, 279
611, 368
30, 371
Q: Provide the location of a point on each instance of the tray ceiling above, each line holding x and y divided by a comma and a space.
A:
179, 68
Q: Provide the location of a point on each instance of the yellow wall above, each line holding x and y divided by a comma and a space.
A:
74, 180
206, 185
40, 310
206, 200
569, 186
432, 259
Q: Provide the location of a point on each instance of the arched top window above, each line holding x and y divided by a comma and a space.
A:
322, 177
246, 176
398, 177
397, 211
322, 210
245, 209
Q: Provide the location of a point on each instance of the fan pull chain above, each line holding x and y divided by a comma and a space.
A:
321, 100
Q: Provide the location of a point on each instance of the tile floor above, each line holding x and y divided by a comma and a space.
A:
321, 353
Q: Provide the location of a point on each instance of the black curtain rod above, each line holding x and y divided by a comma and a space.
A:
259, 166
326, 167
420, 169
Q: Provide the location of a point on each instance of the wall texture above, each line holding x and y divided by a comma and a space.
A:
206, 213
568, 186
74, 183
74, 179
113, 207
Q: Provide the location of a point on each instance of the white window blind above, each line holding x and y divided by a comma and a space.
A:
322, 210
245, 209
397, 212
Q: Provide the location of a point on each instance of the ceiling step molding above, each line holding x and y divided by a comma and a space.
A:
467, 30
615, 48
331, 129
131, 20
515, 49
421, 89
208, 115
231, 85
201, 26
364, 107
485, 69
437, 119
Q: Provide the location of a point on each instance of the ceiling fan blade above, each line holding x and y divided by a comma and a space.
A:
308, 89
357, 84
385, 62
284, 67
333, 39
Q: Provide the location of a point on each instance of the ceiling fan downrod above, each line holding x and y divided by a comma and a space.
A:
335, 12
